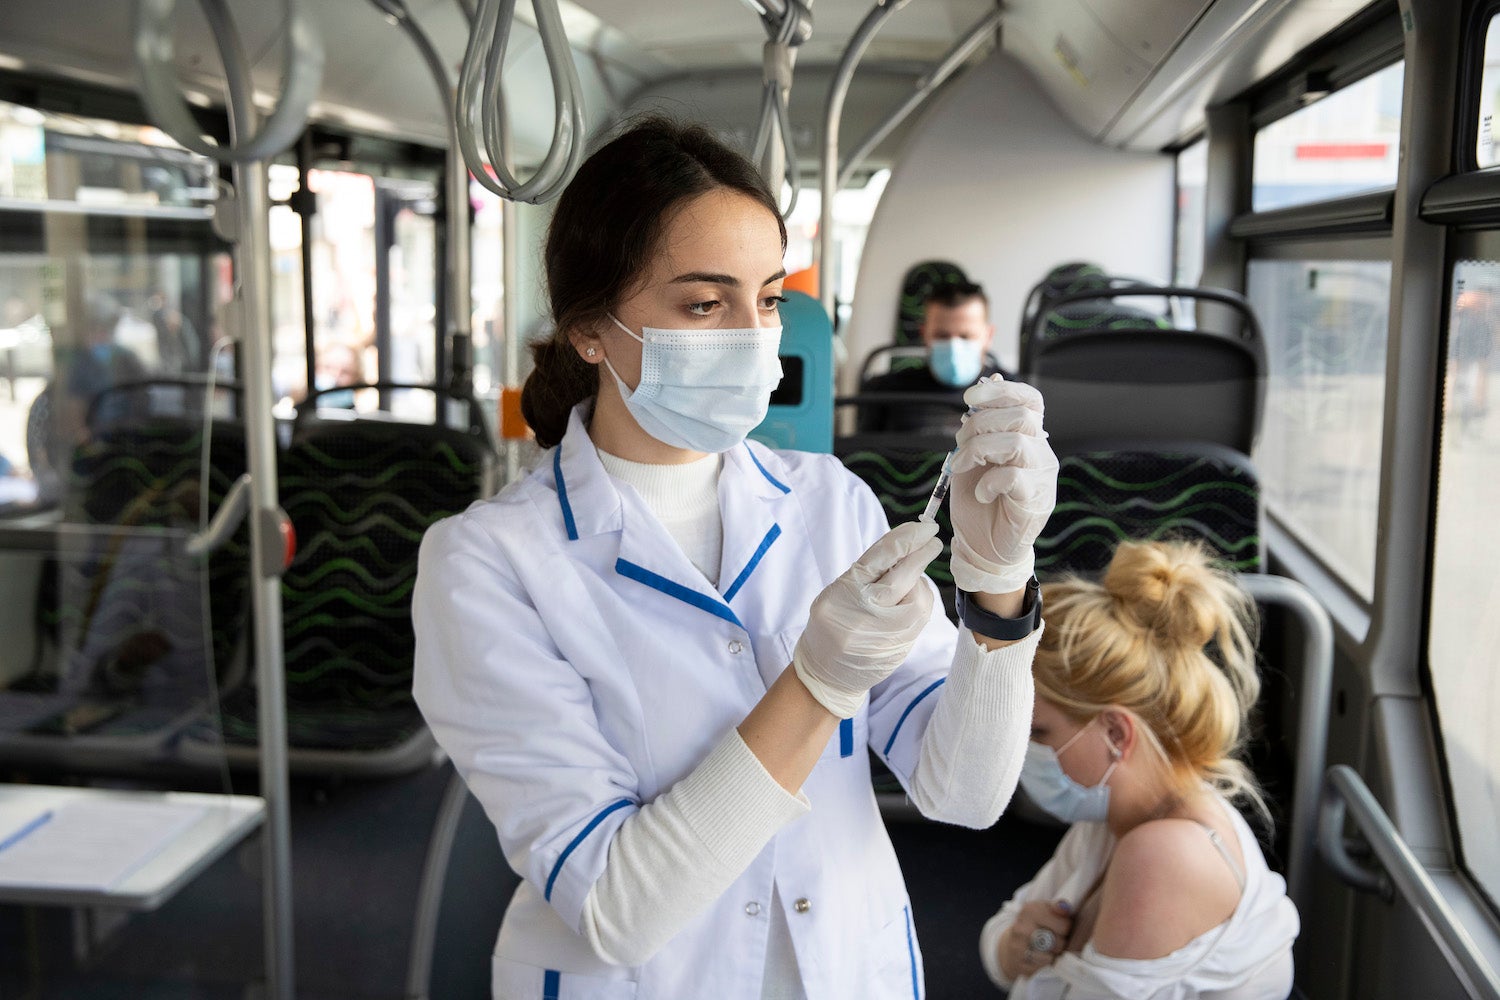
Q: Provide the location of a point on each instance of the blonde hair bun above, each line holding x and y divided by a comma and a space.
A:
1168, 588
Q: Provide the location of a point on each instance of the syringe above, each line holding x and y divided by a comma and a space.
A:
945, 477
939, 490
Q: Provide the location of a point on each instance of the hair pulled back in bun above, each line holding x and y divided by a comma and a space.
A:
1170, 637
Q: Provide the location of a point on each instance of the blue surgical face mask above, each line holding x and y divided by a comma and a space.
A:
1049, 786
702, 390
956, 361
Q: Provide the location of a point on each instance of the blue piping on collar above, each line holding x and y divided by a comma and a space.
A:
783, 487
765, 544
846, 737
914, 703
563, 857
562, 495
671, 588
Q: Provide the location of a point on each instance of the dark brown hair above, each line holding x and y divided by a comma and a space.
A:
605, 229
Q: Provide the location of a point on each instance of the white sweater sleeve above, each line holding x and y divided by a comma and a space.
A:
682, 851
976, 739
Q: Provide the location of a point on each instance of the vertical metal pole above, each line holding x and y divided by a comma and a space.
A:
306, 206
265, 562
510, 267
253, 266
828, 171
386, 207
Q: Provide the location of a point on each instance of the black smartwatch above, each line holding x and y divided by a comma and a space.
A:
976, 619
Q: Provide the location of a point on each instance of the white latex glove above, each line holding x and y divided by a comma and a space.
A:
1004, 487
862, 626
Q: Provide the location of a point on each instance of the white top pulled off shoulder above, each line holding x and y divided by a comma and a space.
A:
1248, 957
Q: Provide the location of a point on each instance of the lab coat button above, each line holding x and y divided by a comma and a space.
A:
802, 905
752, 909
736, 647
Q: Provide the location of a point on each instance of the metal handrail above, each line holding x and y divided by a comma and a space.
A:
832, 175
833, 112
162, 96
481, 104
248, 150
1314, 701
1345, 793
773, 149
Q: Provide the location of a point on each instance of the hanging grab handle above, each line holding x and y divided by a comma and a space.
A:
301, 76
785, 30
481, 104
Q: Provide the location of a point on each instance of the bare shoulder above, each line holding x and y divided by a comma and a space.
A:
1165, 885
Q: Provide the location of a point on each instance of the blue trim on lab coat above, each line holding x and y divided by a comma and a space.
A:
911, 952
914, 703
562, 495
765, 544
563, 857
783, 487
686, 595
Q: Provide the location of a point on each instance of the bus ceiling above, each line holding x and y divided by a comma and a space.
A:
1135, 75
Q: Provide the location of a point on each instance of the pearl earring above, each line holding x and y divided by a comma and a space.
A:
591, 352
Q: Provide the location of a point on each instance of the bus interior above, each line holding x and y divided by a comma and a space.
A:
264, 319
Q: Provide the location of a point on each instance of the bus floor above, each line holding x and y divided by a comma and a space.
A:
357, 857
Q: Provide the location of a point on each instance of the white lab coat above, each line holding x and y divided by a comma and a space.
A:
576, 665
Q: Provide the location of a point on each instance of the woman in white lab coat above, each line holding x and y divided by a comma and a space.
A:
603, 648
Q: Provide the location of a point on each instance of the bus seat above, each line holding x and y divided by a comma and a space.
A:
360, 494
898, 356
799, 415
901, 470
1110, 492
1148, 384
1091, 306
122, 607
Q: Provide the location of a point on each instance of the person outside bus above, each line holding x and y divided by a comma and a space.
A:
657, 660
957, 333
1159, 889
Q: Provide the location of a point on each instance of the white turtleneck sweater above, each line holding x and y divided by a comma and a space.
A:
685, 499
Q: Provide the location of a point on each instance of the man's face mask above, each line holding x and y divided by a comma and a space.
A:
702, 390
1051, 789
956, 361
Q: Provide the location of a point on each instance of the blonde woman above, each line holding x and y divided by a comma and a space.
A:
1143, 683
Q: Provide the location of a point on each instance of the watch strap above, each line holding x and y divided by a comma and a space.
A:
977, 619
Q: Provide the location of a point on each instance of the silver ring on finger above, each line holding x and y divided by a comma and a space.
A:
1043, 940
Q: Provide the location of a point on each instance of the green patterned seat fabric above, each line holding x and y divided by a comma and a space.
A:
1106, 496
360, 496
901, 470
127, 607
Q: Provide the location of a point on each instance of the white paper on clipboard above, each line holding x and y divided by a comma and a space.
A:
93, 844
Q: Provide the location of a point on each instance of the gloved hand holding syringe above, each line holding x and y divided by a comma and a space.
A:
945, 478
1004, 481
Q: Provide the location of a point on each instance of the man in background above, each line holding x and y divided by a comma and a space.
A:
956, 332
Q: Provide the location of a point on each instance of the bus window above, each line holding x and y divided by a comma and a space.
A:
1346, 143
1192, 174
1465, 620
1320, 445
1486, 153
110, 275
